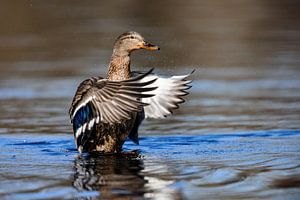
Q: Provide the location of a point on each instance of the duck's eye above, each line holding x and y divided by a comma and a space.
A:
131, 37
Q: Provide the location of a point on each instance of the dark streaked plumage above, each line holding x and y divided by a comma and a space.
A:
102, 110
105, 111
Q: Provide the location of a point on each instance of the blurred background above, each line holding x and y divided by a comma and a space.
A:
236, 137
67, 38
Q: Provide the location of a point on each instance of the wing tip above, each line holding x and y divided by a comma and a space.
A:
192, 71
139, 77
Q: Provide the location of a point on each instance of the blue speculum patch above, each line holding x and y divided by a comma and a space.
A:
83, 115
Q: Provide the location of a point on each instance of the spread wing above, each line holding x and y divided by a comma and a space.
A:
167, 96
101, 100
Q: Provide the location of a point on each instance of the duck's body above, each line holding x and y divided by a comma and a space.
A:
105, 111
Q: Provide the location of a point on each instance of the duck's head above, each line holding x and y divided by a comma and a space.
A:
130, 41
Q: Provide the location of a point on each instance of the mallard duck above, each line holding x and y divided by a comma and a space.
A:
106, 111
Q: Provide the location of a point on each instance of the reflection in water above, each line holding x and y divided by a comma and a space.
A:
121, 176
113, 176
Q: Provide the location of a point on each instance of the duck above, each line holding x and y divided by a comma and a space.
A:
106, 111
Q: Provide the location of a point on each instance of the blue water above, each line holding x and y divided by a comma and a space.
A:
244, 165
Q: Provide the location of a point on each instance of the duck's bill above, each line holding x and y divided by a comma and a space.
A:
149, 46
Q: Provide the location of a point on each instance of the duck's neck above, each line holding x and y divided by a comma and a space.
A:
119, 66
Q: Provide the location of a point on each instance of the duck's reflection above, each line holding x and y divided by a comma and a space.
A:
112, 176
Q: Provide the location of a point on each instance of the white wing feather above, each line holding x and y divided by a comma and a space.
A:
167, 96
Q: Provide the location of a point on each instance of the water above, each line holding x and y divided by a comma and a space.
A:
236, 137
